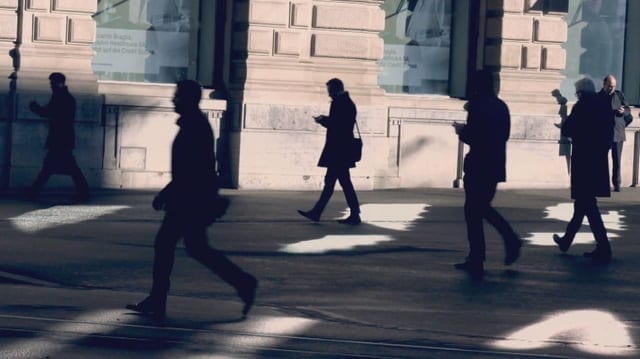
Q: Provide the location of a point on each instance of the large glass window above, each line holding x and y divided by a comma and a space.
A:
417, 40
595, 44
146, 40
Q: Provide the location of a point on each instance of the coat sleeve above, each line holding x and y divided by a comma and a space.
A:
628, 117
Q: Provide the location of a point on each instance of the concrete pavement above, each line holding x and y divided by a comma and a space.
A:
386, 288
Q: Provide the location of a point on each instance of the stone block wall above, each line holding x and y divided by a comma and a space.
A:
283, 53
523, 43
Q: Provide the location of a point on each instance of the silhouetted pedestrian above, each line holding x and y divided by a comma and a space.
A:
336, 155
621, 113
189, 202
590, 126
61, 112
486, 132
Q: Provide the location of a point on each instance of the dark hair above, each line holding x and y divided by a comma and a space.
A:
335, 85
190, 90
483, 83
57, 77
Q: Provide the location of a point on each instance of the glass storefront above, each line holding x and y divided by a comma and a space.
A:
145, 40
595, 43
417, 40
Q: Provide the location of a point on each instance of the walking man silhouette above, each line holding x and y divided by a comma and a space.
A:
336, 155
61, 112
486, 132
188, 201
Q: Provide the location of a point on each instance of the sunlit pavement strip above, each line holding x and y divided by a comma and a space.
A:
613, 221
41, 219
64, 334
395, 216
590, 331
334, 243
244, 337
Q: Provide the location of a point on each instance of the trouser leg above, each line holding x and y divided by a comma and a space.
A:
349, 191
503, 227
196, 243
597, 225
477, 202
164, 251
616, 155
80, 182
579, 211
43, 176
327, 191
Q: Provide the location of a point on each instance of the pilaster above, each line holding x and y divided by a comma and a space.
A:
523, 43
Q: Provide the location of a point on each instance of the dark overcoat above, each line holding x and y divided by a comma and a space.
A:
61, 112
339, 124
486, 133
194, 182
590, 126
621, 122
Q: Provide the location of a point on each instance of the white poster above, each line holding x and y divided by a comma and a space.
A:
417, 46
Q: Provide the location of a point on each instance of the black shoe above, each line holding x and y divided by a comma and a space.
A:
513, 252
561, 242
353, 220
474, 269
616, 189
248, 295
310, 215
151, 307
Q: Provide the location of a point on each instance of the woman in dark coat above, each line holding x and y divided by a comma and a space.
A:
590, 126
335, 154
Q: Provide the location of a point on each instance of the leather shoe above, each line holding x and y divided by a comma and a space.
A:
474, 269
562, 244
310, 215
353, 220
151, 307
248, 295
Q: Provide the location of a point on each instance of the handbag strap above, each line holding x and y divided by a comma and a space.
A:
358, 128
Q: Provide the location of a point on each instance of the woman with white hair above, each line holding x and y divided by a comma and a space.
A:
590, 126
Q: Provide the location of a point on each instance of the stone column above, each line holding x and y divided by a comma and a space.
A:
523, 43
282, 54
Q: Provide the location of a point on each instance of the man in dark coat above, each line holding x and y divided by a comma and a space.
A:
335, 155
189, 201
61, 112
486, 132
590, 126
621, 113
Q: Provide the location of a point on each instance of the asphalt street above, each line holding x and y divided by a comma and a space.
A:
384, 289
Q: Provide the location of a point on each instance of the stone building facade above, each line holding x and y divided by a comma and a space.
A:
265, 63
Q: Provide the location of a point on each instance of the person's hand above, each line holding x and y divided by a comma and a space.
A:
458, 127
320, 118
621, 110
158, 203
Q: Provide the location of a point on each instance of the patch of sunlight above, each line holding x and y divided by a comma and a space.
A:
41, 219
65, 333
245, 338
395, 216
546, 238
334, 243
613, 220
590, 331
